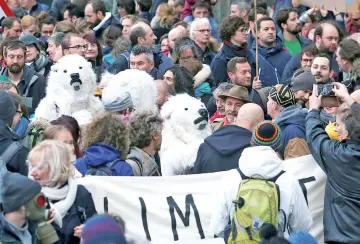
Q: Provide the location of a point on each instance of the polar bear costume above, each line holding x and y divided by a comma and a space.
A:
70, 90
186, 125
139, 84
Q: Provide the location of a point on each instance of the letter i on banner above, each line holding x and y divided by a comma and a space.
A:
5, 11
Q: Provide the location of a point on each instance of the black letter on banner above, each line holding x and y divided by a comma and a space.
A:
144, 218
303, 187
106, 205
188, 201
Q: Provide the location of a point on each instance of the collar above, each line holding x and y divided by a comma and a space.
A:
106, 18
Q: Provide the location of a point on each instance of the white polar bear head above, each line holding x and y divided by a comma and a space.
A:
72, 74
187, 112
139, 84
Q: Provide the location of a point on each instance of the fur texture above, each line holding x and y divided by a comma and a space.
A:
139, 84
66, 95
186, 125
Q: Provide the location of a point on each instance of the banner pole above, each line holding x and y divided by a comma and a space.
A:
256, 42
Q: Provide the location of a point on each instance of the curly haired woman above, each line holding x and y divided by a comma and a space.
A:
106, 144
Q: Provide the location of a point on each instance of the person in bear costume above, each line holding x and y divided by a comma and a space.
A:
70, 90
186, 125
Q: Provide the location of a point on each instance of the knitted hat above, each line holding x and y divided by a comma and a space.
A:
116, 101
266, 133
7, 107
282, 95
102, 229
17, 190
30, 40
302, 80
302, 238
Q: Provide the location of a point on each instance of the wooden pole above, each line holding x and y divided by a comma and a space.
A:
256, 42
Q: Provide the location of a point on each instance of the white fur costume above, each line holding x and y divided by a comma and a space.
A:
139, 84
70, 90
186, 125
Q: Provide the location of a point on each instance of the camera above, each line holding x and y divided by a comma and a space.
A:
325, 90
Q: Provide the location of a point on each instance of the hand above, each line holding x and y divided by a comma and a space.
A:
323, 11
336, 13
51, 216
341, 92
78, 231
314, 101
256, 83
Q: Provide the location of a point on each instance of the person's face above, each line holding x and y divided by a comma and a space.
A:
234, 10
178, 10
232, 106
169, 79
126, 23
32, 29
31, 53
26, 4
201, 13
320, 69
40, 172
55, 53
15, 60
141, 62
92, 50
267, 33
343, 64
271, 107
149, 39
242, 75
241, 35
164, 44
293, 24
203, 32
91, 16
17, 117
329, 40
47, 30
302, 96
340, 129
77, 46
66, 137
157, 137
252, 24
174, 35
66, 15
162, 95
220, 106
14, 31
356, 19
186, 55
306, 60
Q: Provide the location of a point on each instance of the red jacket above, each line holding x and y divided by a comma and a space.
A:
216, 116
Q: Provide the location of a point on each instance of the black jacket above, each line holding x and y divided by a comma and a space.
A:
18, 162
221, 151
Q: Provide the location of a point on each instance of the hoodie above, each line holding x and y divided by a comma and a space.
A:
99, 154
272, 61
302, 40
10, 233
262, 161
292, 124
221, 151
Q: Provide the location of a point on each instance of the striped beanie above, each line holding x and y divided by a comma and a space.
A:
102, 229
282, 95
268, 134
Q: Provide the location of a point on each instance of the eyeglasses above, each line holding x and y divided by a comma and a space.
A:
244, 30
80, 46
204, 31
187, 58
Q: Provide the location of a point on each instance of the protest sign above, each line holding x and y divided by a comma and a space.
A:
341, 6
5, 11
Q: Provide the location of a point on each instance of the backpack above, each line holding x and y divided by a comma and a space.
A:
138, 163
34, 135
103, 169
257, 202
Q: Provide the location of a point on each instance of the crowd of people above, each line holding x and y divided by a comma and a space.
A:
278, 82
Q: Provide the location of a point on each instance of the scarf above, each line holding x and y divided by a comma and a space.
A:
326, 118
40, 63
202, 89
238, 50
63, 196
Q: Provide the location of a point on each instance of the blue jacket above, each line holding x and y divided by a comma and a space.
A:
38, 8
219, 63
281, 4
341, 163
22, 126
98, 154
303, 41
272, 61
98, 30
292, 124
221, 151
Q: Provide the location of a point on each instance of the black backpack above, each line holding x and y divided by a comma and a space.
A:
103, 169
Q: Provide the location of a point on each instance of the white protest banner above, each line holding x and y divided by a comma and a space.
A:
341, 6
178, 208
5, 11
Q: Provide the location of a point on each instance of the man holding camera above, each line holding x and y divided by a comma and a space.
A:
341, 163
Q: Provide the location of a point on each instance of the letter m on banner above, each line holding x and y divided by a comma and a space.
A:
5, 11
189, 202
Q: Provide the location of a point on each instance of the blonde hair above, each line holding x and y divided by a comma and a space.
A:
166, 17
80, 25
65, 27
57, 156
28, 21
52, 130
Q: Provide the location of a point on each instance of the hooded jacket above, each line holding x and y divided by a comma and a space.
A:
221, 151
105, 23
293, 139
14, 235
341, 163
99, 154
303, 41
31, 87
148, 164
206, 57
272, 61
265, 162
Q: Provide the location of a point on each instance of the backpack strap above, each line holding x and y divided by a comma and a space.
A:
243, 177
10, 151
36, 135
274, 179
138, 164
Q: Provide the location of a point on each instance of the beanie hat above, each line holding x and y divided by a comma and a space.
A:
7, 107
30, 40
102, 229
17, 190
302, 238
302, 80
332, 133
266, 133
282, 95
116, 102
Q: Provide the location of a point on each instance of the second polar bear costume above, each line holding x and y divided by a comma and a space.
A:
186, 125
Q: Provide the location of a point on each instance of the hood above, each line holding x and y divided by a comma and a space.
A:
268, 51
103, 24
100, 153
229, 140
265, 162
203, 75
5, 133
294, 115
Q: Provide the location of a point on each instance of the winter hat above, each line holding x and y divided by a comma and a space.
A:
302, 80
282, 95
117, 102
332, 133
30, 40
266, 133
302, 238
102, 229
7, 107
17, 190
